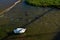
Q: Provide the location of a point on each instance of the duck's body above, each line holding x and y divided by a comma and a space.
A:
19, 30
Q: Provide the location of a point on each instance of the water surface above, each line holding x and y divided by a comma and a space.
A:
23, 13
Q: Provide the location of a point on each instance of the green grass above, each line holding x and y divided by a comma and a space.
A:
44, 2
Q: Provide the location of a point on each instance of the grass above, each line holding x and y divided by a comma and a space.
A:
49, 3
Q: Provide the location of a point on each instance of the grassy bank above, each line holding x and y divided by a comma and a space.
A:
49, 3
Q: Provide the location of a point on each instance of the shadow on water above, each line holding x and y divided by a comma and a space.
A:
57, 36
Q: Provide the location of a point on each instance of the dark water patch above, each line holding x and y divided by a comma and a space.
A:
57, 36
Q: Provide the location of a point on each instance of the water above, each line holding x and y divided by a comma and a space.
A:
21, 14
6, 3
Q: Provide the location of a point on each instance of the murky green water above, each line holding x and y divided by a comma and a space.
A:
22, 14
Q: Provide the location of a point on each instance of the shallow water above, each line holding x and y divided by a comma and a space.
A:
21, 14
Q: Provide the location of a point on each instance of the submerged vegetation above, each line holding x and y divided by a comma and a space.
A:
49, 3
45, 28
